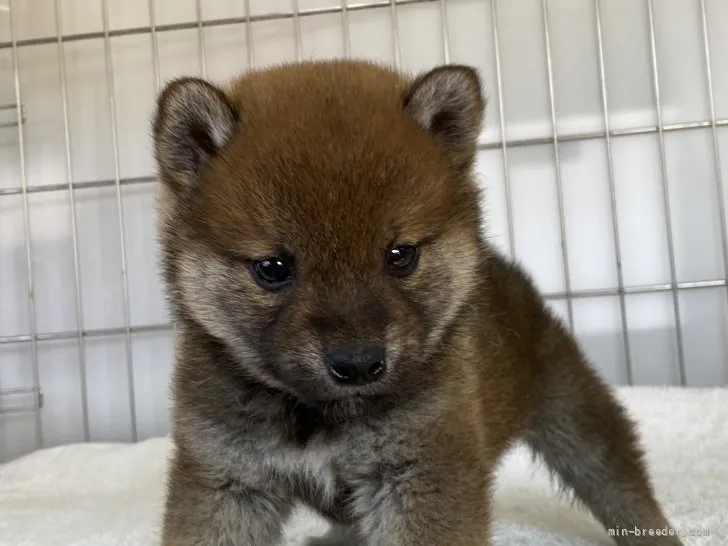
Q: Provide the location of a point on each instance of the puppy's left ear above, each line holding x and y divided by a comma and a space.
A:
193, 122
448, 103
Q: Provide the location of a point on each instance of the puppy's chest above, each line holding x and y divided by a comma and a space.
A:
320, 461
324, 461
360, 463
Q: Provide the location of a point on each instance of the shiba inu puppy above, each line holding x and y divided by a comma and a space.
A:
347, 337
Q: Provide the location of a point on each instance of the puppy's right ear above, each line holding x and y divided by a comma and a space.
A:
193, 121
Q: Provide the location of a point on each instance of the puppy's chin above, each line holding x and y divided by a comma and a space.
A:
338, 411
336, 405
326, 392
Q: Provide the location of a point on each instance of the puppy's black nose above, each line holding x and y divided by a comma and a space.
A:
356, 365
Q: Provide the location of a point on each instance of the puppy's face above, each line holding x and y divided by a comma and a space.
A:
320, 220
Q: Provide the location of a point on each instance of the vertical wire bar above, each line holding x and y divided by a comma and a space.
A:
249, 34
666, 195
202, 48
502, 113
345, 25
445, 32
613, 194
156, 68
74, 227
394, 14
297, 32
35, 370
716, 141
557, 164
155, 45
120, 213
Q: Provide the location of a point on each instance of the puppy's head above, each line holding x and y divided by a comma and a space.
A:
320, 220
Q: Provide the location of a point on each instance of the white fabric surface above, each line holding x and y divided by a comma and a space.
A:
104, 494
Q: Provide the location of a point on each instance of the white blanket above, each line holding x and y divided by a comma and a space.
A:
104, 494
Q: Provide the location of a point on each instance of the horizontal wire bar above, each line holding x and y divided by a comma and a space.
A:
17, 390
641, 289
488, 145
191, 25
594, 135
37, 394
20, 409
102, 183
87, 333
13, 108
575, 294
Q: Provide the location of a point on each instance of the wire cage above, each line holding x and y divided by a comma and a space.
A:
603, 158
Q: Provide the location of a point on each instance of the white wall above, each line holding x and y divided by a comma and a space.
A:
94, 155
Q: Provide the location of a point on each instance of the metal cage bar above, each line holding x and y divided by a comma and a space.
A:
445, 32
666, 195
120, 212
557, 161
152, 9
345, 29
504, 141
35, 368
201, 45
249, 34
19, 391
297, 31
714, 129
394, 14
629, 374
74, 228
13, 108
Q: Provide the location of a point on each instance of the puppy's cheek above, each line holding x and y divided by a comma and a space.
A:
223, 301
447, 288
202, 282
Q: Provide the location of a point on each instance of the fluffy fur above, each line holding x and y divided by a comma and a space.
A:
331, 163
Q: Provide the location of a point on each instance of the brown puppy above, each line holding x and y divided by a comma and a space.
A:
346, 335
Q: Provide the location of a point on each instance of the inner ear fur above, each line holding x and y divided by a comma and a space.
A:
193, 122
448, 103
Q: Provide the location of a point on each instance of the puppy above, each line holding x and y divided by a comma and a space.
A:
346, 336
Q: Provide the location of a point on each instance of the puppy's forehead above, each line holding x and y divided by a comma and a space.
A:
326, 154
293, 95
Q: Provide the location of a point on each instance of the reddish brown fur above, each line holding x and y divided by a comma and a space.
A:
330, 162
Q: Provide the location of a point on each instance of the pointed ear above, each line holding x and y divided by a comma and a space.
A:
193, 121
448, 103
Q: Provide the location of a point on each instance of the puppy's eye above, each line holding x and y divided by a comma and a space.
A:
272, 273
402, 260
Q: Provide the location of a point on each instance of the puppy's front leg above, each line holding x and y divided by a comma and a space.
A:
589, 441
197, 515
